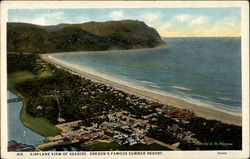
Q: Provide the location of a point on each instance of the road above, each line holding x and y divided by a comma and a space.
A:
164, 144
51, 144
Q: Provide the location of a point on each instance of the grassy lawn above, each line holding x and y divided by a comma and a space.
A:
15, 77
40, 125
44, 74
114, 146
18, 76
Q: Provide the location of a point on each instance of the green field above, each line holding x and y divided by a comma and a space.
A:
15, 77
40, 125
114, 146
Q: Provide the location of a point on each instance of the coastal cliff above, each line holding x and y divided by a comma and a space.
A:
110, 35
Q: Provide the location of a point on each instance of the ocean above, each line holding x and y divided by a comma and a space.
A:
204, 71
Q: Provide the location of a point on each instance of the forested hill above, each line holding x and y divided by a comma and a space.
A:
126, 34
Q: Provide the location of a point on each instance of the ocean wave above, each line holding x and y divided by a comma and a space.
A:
236, 111
181, 88
224, 98
151, 84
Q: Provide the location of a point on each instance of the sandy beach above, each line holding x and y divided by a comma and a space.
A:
205, 112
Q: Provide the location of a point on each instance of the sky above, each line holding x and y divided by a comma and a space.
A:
169, 22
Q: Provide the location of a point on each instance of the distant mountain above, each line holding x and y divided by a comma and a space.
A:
126, 34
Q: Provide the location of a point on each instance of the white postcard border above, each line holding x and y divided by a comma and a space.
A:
133, 4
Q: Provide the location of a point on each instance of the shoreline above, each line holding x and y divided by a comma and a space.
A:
204, 112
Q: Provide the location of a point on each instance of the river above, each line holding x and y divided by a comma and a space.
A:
16, 130
20, 133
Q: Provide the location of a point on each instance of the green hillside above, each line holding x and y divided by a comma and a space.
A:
127, 28
126, 34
